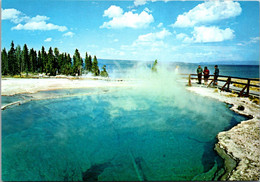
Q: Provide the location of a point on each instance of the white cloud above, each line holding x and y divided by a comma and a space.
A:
147, 10
143, 2
160, 25
48, 39
13, 15
29, 23
113, 11
149, 42
148, 45
181, 36
69, 34
208, 34
140, 2
254, 39
208, 12
41, 25
112, 52
151, 37
127, 19
39, 18
115, 40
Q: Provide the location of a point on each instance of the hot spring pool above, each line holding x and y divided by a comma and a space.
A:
114, 136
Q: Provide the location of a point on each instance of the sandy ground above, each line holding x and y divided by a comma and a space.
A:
12, 86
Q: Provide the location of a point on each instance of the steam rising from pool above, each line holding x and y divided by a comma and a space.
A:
153, 130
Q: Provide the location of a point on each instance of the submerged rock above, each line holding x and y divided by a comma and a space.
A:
207, 176
230, 163
241, 108
94, 171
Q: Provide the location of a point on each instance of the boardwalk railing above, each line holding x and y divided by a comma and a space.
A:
246, 83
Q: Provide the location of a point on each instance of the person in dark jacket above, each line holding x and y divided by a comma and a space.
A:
216, 74
206, 75
199, 72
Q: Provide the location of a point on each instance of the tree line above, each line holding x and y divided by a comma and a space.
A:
17, 61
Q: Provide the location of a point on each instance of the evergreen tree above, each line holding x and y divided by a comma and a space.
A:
39, 61
16, 61
95, 69
44, 59
51, 63
12, 61
18, 55
32, 60
77, 62
104, 72
88, 62
25, 59
61, 63
4, 62
69, 68
57, 61
154, 67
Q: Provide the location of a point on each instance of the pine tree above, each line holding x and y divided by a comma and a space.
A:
104, 72
32, 60
61, 63
91, 62
12, 61
18, 55
57, 61
69, 67
44, 59
17, 61
77, 62
88, 62
39, 61
25, 59
154, 67
51, 63
4, 62
95, 69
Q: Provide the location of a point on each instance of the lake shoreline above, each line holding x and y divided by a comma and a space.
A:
237, 144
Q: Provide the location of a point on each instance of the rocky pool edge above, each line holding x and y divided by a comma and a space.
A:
239, 146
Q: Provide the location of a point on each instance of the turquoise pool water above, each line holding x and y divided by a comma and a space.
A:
10, 99
114, 136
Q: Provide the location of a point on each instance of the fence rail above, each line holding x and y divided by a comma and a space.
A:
246, 82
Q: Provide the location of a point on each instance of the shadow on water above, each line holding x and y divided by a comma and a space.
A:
94, 171
210, 156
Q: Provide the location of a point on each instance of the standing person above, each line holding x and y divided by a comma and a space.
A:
199, 72
206, 75
176, 71
216, 74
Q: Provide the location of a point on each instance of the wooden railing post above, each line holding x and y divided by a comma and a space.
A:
248, 85
229, 80
226, 86
210, 82
227, 83
189, 82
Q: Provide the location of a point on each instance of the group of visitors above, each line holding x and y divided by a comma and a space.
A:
206, 74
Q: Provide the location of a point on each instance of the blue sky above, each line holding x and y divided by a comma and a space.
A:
183, 31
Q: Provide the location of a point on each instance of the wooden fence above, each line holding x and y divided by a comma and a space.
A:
245, 82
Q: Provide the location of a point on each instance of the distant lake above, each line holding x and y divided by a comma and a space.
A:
117, 68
